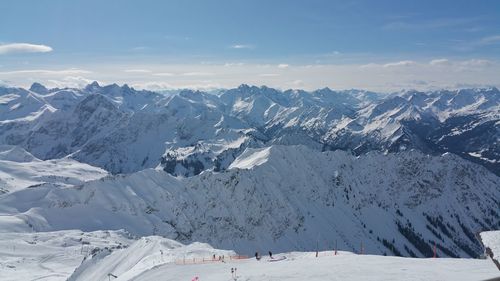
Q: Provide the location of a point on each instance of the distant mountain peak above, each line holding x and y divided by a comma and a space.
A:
243, 87
38, 88
92, 86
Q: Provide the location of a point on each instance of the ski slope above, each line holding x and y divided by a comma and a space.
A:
153, 258
345, 266
75, 255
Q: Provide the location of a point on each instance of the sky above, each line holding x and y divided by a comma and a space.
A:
375, 45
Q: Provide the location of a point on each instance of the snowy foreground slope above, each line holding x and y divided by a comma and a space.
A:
345, 266
74, 255
285, 198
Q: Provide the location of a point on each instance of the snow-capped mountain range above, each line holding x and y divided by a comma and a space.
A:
123, 130
255, 168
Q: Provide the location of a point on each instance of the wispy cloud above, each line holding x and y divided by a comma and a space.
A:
468, 45
166, 74
440, 62
242, 46
369, 65
283, 65
431, 24
494, 39
140, 48
70, 71
269, 75
15, 48
198, 73
476, 63
404, 63
68, 81
331, 54
298, 83
228, 64
137, 71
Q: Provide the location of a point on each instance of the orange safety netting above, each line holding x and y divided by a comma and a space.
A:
209, 260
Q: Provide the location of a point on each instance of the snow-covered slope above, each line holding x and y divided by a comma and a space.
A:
53, 255
141, 256
491, 239
293, 198
491, 242
251, 158
19, 170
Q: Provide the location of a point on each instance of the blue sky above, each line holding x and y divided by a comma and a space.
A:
223, 43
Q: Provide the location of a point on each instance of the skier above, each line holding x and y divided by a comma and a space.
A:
270, 255
257, 257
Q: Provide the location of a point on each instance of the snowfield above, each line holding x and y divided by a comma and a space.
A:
19, 170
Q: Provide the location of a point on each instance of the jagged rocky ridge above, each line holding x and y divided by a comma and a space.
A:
124, 130
286, 198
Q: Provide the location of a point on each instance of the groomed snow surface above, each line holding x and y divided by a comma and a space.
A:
75, 255
345, 266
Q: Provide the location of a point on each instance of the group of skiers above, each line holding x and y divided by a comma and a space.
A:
233, 272
234, 269
258, 257
221, 258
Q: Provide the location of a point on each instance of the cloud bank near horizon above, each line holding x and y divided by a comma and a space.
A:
382, 77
